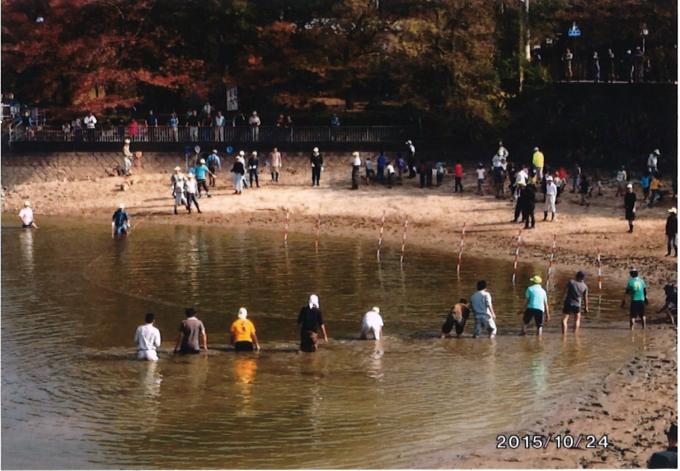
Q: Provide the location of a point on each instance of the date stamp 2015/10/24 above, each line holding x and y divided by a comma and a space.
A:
559, 441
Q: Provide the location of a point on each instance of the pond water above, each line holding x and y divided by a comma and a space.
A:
74, 397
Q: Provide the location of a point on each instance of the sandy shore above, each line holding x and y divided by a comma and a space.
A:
634, 402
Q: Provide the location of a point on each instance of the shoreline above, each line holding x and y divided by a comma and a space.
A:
436, 217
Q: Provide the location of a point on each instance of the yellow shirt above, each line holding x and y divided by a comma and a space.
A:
242, 330
538, 159
655, 185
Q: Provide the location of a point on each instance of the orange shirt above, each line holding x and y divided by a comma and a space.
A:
242, 330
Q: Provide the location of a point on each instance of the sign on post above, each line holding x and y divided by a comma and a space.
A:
232, 99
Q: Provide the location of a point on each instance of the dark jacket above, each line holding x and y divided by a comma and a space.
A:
238, 168
672, 225
316, 160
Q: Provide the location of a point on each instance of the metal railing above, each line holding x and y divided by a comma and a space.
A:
214, 134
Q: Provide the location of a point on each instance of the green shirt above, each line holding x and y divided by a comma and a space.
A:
636, 289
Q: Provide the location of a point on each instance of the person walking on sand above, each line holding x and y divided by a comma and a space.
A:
458, 177
637, 289
672, 231
243, 336
529, 206
575, 296
238, 170
120, 222
391, 172
481, 174
550, 199
276, 163
191, 187
356, 167
191, 330
147, 339
310, 322
536, 306
457, 318
178, 190
372, 324
253, 166
621, 181
316, 160
200, 171
127, 157
26, 216
214, 166
630, 206
482, 307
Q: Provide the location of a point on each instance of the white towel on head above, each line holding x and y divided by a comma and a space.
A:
242, 313
313, 301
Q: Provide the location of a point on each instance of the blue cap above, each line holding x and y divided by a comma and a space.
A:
230, 150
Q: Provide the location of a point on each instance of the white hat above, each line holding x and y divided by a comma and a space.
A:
254, 152
657, 152
673, 210
316, 149
27, 203
355, 154
242, 313
121, 206
408, 142
202, 161
630, 185
536, 148
549, 178
313, 301
214, 151
376, 309
127, 141
254, 112
241, 153
177, 169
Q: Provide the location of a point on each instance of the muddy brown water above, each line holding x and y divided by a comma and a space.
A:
74, 397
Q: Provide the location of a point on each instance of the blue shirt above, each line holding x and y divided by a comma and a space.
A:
200, 171
120, 217
537, 297
645, 181
214, 159
174, 121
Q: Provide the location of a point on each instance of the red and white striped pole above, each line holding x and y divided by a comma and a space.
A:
460, 248
380, 237
599, 270
318, 230
514, 265
403, 241
553, 249
285, 227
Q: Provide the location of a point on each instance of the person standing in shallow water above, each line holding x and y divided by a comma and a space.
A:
576, 294
482, 306
457, 318
372, 324
310, 321
147, 338
637, 289
191, 330
243, 336
536, 306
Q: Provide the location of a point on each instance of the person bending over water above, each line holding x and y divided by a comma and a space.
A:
457, 318
120, 224
637, 289
372, 324
243, 333
147, 338
483, 308
26, 216
190, 329
310, 321
536, 306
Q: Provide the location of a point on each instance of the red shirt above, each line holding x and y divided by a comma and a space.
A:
458, 170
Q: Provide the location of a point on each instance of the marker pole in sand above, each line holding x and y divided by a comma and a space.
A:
514, 265
380, 237
285, 227
551, 269
599, 270
403, 241
318, 230
460, 248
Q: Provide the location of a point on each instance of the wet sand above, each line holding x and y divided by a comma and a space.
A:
635, 402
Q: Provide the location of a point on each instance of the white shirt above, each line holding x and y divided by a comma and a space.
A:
412, 148
191, 186
481, 302
480, 173
90, 121
356, 162
219, 120
652, 160
26, 215
390, 169
496, 161
551, 189
254, 121
503, 152
521, 177
371, 320
621, 176
147, 337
